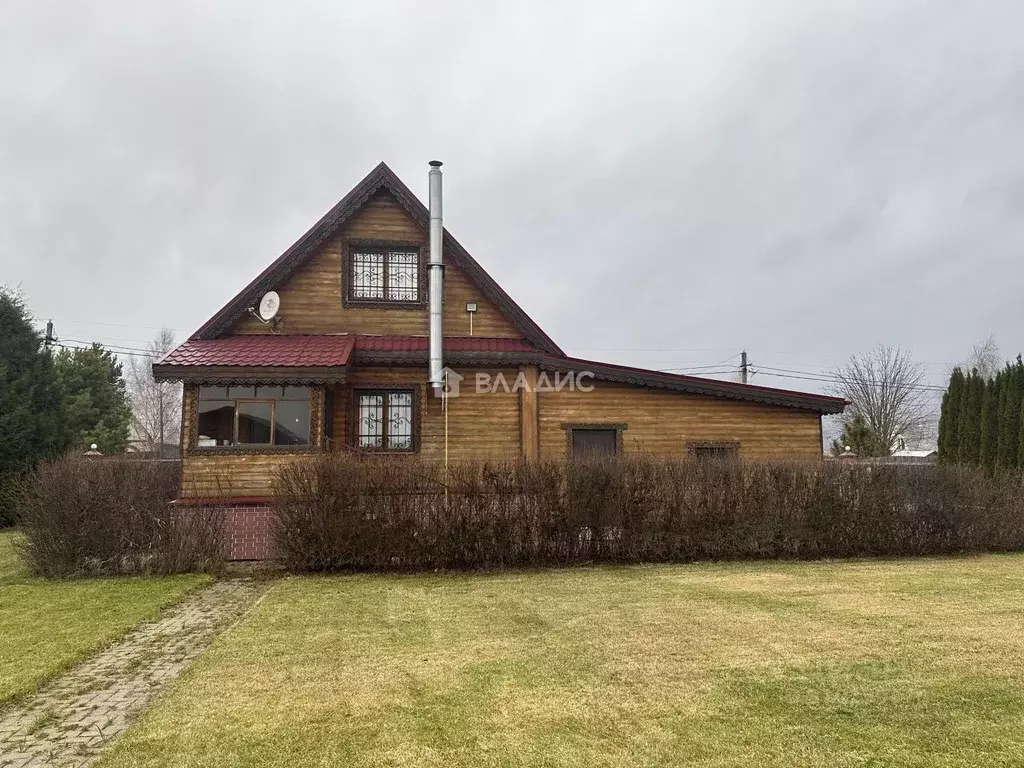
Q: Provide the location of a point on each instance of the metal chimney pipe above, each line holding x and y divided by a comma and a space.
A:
436, 275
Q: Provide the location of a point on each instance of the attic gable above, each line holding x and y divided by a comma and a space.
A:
381, 181
315, 298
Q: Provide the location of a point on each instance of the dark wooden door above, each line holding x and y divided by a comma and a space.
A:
590, 442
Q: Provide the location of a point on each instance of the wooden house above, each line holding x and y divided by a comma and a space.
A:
345, 365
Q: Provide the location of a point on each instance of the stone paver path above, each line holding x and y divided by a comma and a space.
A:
68, 721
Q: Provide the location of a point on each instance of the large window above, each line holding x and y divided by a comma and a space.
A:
253, 416
383, 274
384, 420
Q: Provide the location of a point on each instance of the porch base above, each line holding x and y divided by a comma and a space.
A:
247, 525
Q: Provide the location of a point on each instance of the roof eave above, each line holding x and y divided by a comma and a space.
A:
821, 404
250, 374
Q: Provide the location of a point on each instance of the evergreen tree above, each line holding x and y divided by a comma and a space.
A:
969, 450
1004, 391
990, 423
858, 435
1020, 439
949, 420
95, 403
1009, 417
30, 421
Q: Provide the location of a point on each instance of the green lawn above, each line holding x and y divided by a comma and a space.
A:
913, 663
48, 625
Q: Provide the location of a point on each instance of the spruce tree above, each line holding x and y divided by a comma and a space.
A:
96, 406
990, 424
949, 421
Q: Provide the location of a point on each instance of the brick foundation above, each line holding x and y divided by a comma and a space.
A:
246, 525
247, 528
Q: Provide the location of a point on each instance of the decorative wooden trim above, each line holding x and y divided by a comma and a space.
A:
251, 450
383, 245
189, 418
379, 179
569, 426
316, 417
391, 386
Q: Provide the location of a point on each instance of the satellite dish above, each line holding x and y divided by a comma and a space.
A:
269, 305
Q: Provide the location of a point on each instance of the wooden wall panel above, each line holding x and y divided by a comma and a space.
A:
662, 422
231, 475
480, 426
311, 299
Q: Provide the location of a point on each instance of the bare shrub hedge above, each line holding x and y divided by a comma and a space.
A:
338, 511
90, 517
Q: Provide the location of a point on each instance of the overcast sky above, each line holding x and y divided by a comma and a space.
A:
658, 184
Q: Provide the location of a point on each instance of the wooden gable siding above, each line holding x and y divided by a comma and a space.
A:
480, 426
311, 299
662, 422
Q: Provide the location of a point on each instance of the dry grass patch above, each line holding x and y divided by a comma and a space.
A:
911, 663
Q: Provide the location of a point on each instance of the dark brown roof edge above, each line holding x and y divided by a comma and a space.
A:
673, 381
379, 178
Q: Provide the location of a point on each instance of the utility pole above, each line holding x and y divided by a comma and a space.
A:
743, 366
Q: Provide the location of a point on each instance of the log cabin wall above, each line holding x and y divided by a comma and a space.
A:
312, 298
480, 425
663, 422
232, 476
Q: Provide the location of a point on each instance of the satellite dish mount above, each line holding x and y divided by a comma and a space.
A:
267, 310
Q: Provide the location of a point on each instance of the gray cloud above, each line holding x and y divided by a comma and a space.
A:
658, 184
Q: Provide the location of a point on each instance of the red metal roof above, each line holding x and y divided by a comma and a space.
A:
330, 350
265, 349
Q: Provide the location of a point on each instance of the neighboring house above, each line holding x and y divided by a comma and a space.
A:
344, 366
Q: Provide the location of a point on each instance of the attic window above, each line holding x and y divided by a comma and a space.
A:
383, 274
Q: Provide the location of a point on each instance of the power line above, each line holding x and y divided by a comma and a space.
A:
118, 325
779, 372
110, 346
119, 353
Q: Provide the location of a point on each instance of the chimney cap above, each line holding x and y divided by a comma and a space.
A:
436, 163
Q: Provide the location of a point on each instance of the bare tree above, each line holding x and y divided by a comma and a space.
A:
985, 359
156, 405
886, 388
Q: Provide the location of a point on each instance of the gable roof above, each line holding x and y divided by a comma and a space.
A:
380, 178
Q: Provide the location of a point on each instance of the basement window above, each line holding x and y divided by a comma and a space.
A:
710, 451
383, 274
385, 420
253, 416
